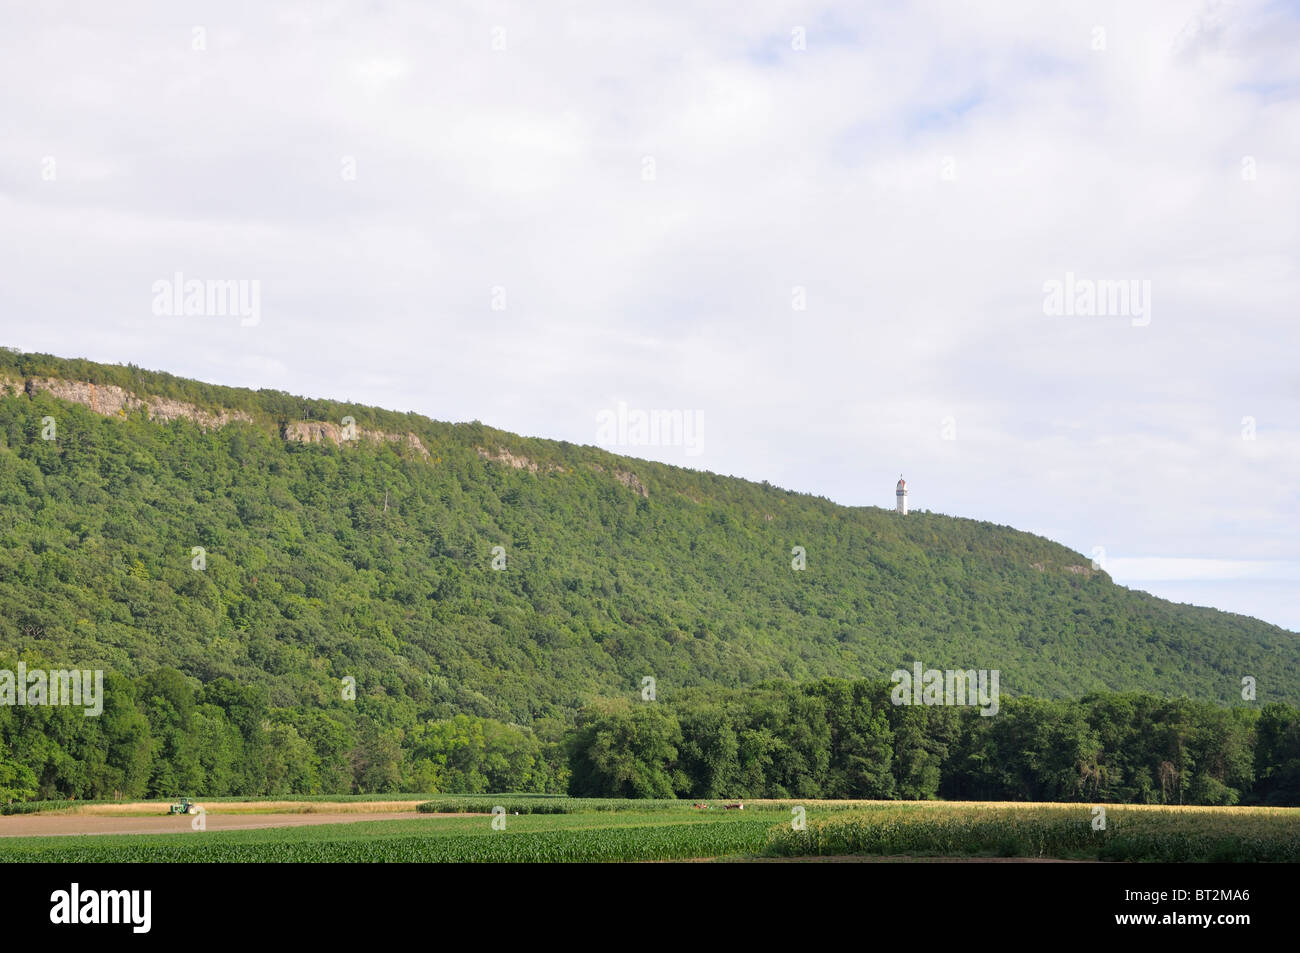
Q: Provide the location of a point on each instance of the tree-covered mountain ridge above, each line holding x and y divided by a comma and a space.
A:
340, 540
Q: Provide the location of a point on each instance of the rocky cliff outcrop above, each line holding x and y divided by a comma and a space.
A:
632, 482
317, 431
164, 408
113, 401
503, 455
629, 480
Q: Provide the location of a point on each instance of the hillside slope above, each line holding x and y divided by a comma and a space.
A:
372, 557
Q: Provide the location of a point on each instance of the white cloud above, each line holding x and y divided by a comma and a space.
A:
1187, 569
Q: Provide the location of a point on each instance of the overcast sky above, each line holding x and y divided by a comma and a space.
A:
826, 232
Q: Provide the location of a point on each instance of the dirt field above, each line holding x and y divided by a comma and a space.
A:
158, 808
56, 825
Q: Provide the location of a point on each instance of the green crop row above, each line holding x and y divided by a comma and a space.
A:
651, 842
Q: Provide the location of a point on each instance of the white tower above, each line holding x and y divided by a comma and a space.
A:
900, 495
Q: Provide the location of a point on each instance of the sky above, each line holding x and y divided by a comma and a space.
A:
1040, 258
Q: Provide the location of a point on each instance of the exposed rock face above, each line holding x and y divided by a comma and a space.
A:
629, 480
519, 463
1076, 570
505, 456
112, 401
310, 431
411, 439
103, 399
315, 431
164, 408
632, 482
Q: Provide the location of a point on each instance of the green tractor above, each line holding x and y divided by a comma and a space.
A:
184, 806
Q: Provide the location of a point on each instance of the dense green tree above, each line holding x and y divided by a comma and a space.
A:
923, 737
167, 698
17, 782
474, 756
376, 761
1277, 755
628, 752
709, 751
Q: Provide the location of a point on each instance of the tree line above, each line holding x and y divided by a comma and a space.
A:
834, 738
164, 734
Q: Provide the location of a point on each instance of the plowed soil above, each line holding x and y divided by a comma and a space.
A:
54, 825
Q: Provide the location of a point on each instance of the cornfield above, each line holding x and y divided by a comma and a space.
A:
1059, 831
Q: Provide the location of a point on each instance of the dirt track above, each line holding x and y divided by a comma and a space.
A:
153, 808
55, 825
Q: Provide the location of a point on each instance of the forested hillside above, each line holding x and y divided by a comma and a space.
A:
372, 559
